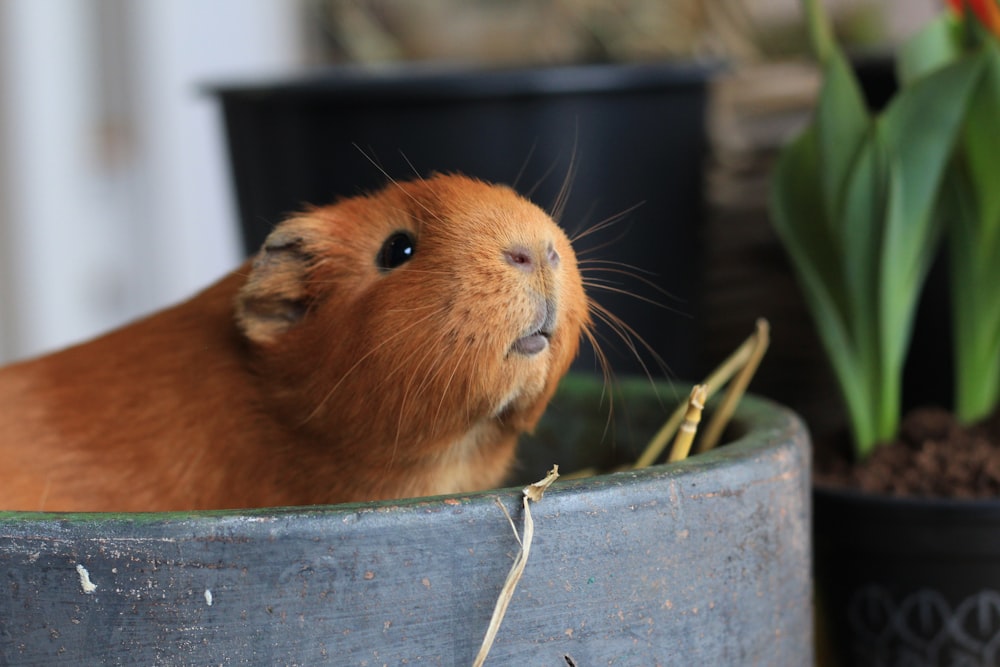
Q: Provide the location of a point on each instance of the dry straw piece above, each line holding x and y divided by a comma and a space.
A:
534, 493
689, 426
741, 365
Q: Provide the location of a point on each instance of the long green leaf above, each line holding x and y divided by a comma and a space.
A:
937, 44
975, 303
972, 208
981, 141
842, 124
801, 224
920, 125
920, 128
861, 228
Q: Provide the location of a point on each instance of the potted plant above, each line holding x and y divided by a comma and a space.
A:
861, 203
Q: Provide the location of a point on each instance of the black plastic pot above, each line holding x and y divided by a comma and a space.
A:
704, 562
908, 581
623, 135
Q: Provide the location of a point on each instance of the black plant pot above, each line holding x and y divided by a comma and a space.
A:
705, 562
908, 581
624, 135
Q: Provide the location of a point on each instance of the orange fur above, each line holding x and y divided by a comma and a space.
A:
311, 376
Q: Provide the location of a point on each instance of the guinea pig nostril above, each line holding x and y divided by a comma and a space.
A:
520, 257
552, 256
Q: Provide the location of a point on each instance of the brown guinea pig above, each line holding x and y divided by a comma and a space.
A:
385, 346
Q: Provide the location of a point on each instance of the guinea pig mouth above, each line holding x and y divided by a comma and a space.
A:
540, 332
532, 344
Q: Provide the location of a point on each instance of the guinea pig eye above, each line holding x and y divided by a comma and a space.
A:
397, 249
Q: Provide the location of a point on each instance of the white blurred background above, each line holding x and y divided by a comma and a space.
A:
115, 197
114, 191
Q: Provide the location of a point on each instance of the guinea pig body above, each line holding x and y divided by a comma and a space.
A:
385, 346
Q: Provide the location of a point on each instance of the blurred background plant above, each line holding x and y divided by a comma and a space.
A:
518, 32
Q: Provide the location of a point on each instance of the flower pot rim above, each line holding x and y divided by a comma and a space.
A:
769, 430
882, 501
281, 585
447, 81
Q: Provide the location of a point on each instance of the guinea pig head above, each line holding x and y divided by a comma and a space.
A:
423, 319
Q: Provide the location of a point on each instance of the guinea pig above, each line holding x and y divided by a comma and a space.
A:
385, 346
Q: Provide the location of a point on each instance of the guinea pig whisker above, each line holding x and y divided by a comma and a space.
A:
455, 365
408, 391
562, 198
601, 225
607, 389
590, 268
416, 386
400, 332
582, 222
414, 309
426, 209
605, 286
524, 165
594, 263
395, 182
373, 159
405, 212
541, 179
413, 386
410, 165
631, 338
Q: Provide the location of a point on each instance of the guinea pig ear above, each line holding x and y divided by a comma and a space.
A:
274, 298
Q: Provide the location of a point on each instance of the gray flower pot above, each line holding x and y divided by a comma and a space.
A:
703, 562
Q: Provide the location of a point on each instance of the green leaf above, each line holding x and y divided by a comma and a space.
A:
935, 45
981, 141
842, 122
920, 126
975, 290
861, 229
820, 32
795, 194
799, 219
972, 208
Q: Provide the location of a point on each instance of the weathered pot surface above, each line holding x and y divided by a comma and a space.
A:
706, 560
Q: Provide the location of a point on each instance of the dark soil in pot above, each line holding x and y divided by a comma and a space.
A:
934, 456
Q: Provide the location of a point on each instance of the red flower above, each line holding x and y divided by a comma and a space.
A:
988, 12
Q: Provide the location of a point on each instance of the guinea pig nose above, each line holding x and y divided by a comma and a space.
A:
523, 258
552, 255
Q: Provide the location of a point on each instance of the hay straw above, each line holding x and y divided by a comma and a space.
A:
534, 493
689, 426
743, 355
734, 392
